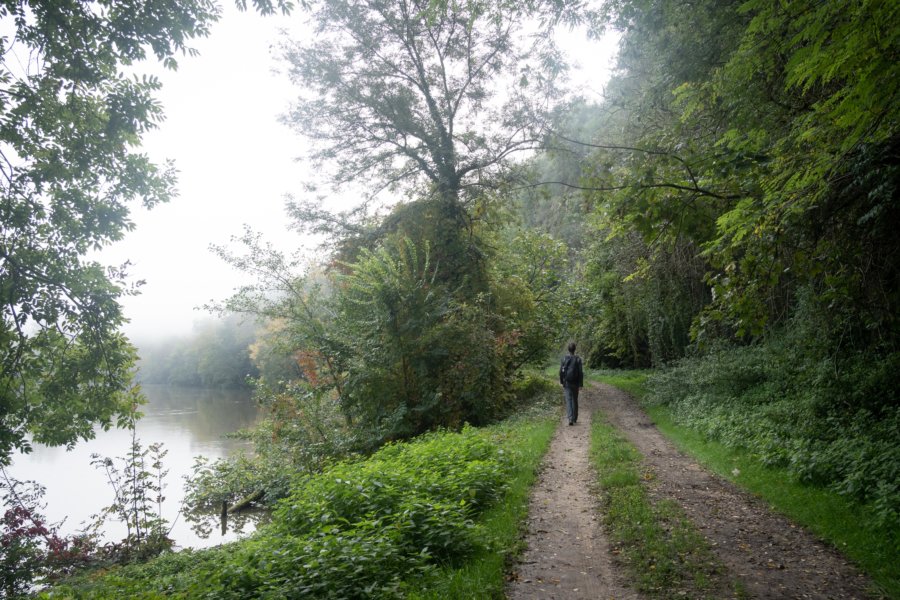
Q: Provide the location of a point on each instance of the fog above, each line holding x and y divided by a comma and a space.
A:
236, 162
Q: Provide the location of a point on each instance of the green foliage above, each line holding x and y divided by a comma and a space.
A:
56, 402
766, 146
744, 178
828, 422
484, 573
302, 432
356, 530
296, 303
528, 289
71, 119
417, 359
533, 387
24, 537
169, 575
69, 122
32, 552
643, 299
391, 316
633, 382
469, 472
386, 340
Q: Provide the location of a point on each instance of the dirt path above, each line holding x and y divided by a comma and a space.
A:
771, 556
568, 555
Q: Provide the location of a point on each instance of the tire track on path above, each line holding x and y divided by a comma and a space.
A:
774, 558
567, 554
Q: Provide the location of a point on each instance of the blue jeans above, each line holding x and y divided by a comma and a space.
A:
571, 395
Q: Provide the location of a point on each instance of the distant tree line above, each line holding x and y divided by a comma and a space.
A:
215, 354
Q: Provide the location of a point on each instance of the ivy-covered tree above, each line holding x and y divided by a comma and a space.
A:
71, 120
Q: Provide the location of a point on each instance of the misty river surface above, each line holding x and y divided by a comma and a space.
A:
188, 422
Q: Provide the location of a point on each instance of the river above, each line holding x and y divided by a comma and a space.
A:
188, 422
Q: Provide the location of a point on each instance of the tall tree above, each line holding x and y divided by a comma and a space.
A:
764, 135
410, 91
432, 98
70, 124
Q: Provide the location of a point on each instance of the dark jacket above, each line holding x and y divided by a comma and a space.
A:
572, 361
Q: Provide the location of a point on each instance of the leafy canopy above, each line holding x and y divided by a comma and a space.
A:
412, 92
71, 120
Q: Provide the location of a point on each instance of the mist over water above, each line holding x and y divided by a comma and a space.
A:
188, 422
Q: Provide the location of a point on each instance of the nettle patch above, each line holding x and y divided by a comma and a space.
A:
359, 529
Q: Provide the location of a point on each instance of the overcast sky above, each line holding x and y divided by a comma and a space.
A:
236, 162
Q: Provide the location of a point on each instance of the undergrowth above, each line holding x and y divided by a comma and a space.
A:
828, 423
483, 574
843, 522
852, 527
426, 519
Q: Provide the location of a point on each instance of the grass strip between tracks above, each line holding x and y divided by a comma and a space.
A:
662, 552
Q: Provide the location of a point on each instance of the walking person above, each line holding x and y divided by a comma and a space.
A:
571, 376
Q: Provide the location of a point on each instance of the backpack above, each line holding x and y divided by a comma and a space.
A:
570, 371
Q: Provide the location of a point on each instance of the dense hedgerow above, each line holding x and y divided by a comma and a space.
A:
356, 530
830, 422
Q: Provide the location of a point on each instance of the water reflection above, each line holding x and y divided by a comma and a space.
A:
188, 421
201, 416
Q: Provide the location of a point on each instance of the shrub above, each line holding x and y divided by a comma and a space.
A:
441, 467
358, 529
830, 422
365, 562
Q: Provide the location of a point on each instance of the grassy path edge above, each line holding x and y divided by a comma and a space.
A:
484, 574
830, 516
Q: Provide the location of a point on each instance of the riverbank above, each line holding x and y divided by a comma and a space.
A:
429, 518
187, 422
